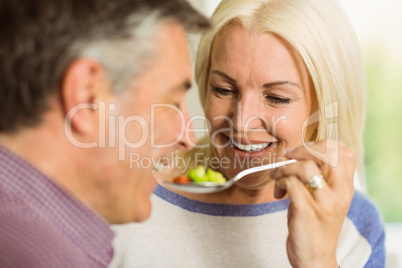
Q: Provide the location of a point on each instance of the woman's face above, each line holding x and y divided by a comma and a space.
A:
259, 101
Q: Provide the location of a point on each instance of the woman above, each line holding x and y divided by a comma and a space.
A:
278, 80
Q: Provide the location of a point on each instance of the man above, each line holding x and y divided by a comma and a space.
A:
92, 97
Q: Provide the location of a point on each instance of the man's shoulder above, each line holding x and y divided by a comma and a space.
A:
29, 239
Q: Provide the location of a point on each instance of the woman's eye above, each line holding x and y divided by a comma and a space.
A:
223, 91
276, 100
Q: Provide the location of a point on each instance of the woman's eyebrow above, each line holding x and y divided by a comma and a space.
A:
266, 85
231, 79
279, 83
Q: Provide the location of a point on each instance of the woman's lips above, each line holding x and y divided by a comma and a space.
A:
254, 149
251, 147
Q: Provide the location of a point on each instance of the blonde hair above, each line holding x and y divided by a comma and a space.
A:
322, 34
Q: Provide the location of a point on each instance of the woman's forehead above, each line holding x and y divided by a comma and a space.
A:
237, 39
238, 50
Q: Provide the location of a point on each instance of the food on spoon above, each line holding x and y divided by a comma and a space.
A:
199, 175
182, 179
215, 176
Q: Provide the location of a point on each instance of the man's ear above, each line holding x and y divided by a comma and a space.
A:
80, 90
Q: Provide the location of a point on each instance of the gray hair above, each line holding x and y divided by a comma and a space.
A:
42, 38
124, 59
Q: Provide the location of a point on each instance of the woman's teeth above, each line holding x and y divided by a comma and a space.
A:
251, 147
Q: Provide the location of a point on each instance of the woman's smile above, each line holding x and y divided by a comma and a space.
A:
248, 147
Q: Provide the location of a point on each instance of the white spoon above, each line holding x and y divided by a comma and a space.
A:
212, 187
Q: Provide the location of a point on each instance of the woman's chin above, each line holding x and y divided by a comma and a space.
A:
254, 183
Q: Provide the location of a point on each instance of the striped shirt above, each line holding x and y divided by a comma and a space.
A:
42, 225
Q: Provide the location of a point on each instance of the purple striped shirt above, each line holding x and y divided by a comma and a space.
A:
42, 225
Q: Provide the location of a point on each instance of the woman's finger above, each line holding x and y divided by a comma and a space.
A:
323, 152
335, 160
308, 173
296, 190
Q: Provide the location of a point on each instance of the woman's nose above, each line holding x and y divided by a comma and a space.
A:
248, 114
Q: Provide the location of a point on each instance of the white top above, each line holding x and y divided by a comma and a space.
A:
186, 233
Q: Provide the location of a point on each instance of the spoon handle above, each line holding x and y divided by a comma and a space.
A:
261, 168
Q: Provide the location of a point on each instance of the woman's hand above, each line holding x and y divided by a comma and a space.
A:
315, 217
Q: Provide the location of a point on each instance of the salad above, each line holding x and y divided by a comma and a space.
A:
200, 175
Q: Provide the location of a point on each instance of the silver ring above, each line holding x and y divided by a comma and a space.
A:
316, 182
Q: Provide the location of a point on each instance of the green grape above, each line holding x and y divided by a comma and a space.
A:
199, 175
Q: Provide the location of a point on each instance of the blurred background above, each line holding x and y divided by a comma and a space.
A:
379, 28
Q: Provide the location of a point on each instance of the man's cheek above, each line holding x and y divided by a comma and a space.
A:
164, 133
